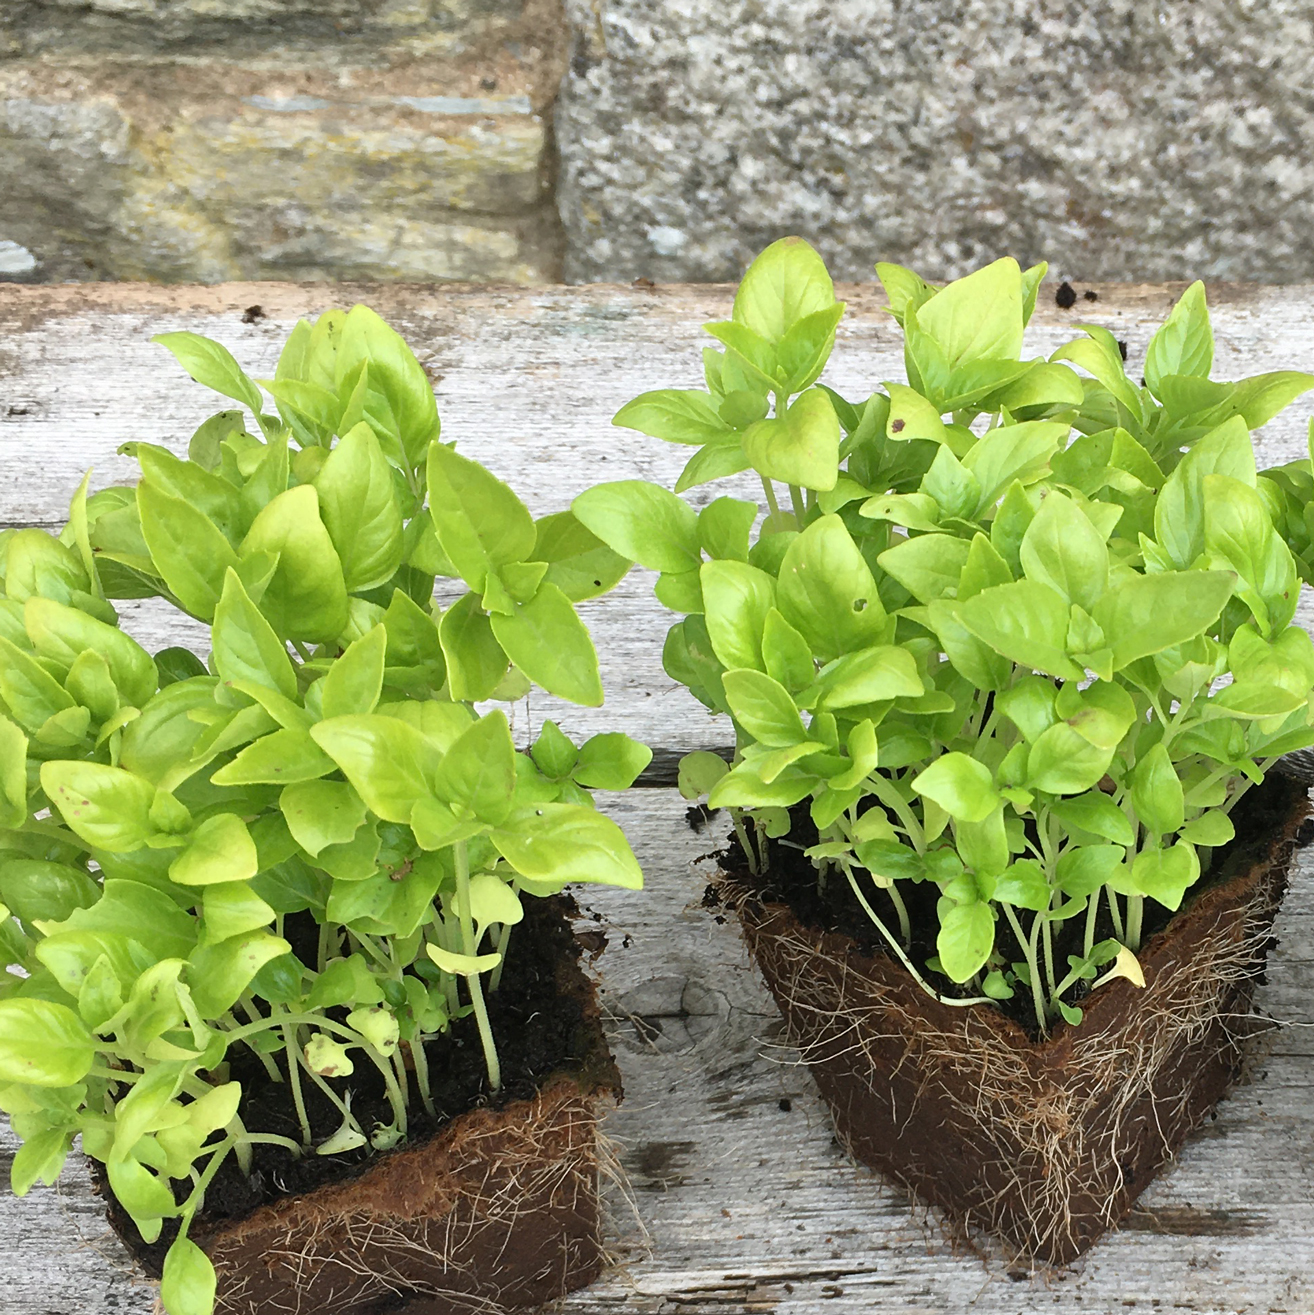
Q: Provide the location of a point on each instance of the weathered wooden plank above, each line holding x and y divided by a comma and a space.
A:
737, 1205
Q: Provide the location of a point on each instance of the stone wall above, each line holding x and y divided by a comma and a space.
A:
296, 139
441, 139
1119, 139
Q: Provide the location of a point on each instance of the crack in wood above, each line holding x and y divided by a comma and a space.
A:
1188, 1221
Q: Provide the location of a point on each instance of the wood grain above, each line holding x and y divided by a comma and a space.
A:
734, 1203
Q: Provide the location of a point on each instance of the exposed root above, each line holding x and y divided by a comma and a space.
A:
1045, 1143
500, 1213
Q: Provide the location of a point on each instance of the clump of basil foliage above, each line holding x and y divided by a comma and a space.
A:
164, 815
1017, 631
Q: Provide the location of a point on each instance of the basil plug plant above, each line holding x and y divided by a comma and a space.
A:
173, 822
1012, 635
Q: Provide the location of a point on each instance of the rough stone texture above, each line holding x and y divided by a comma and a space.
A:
1120, 139
203, 140
224, 139
268, 30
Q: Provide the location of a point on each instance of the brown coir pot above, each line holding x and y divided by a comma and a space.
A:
496, 1211
1046, 1143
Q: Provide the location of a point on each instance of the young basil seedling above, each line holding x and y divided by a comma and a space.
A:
168, 817
1019, 632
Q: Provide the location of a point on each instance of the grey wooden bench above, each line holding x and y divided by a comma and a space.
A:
731, 1194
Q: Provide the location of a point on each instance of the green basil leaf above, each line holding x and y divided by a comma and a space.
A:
1097, 813
29, 691
220, 850
610, 761
904, 289
1165, 875
321, 813
307, 597
1179, 509
233, 908
1239, 534
1010, 453
870, 675
561, 843
1025, 621
476, 662
218, 973
1212, 829
36, 889
1062, 549
713, 461
928, 565
965, 939
478, 773
1258, 399
960, 785
345, 981
785, 284
43, 1044
1156, 792
826, 591
313, 412
355, 680
643, 522
800, 446
106, 806
1063, 761
579, 563
390, 763
744, 787
395, 374
1023, 884
41, 1156
480, 523
137, 912
952, 487
1148, 613
978, 317
245, 645
983, 845
188, 550
1184, 344
188, 1284
359, 508
187, 482
281, 758
737, 598
724, 526
674, 414
803, 352
551, 645
35, 564
212, 364
764, 708
785, 653
553, 752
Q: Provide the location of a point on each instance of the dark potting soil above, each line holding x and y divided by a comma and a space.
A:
792, 880
540, 1029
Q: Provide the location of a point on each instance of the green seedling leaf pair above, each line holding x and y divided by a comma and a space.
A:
776, 344
322, 759
1023, 629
